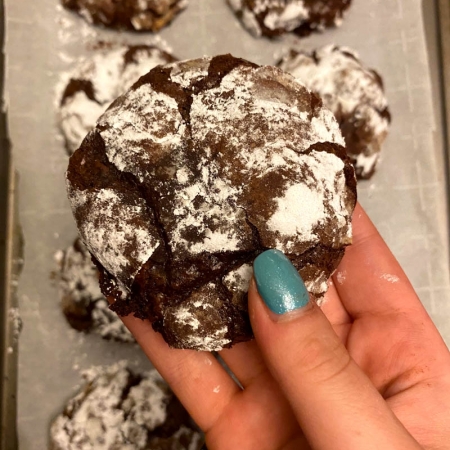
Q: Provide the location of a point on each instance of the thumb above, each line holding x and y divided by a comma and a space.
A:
335, 403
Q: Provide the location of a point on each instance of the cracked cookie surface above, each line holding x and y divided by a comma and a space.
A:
273, 18
353, 92
119, 410
138, 15
197, 169
97, 80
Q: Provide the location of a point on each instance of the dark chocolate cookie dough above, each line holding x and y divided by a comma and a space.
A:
99, 79
139, 15
120, 410
275, 17
84, 306
354, 93
197, 169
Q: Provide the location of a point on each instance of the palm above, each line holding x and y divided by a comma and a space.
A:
407, 380
397, 347
405, 370
376, 314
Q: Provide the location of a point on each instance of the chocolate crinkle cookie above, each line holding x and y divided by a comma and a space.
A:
99, 79
119, 410
197, 169
82, 302
354, 93
273, 18
138, 15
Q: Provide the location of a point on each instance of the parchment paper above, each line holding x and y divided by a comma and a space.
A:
406, 198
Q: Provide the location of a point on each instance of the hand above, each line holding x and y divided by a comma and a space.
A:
368, 371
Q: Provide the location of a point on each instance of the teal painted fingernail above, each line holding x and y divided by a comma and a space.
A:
279, 283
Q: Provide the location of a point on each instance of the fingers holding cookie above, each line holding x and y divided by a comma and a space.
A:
197, 378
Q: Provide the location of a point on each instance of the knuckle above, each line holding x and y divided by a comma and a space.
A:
324, 359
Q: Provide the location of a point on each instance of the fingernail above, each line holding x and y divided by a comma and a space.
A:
279, 283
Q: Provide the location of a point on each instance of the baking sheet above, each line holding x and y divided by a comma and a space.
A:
406, 198
11, 262
10, 265
443, 25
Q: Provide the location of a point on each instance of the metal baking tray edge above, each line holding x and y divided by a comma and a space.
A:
11, 257
444, 31
10, 265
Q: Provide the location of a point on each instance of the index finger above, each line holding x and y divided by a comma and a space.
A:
199, 381
369, 279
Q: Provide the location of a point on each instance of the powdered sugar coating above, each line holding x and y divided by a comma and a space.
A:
107, 323
239, 279
318, 286
137, 402
78, 276
116, 410
215, 342
326, 176
218, 196
354, 94
131, 14
82, 301
119, 235
274, 17
77, 117
195, 320
185, 317
214, 148
181, 74
144, 118
16, 323
390, 278
291, 17
110, 71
